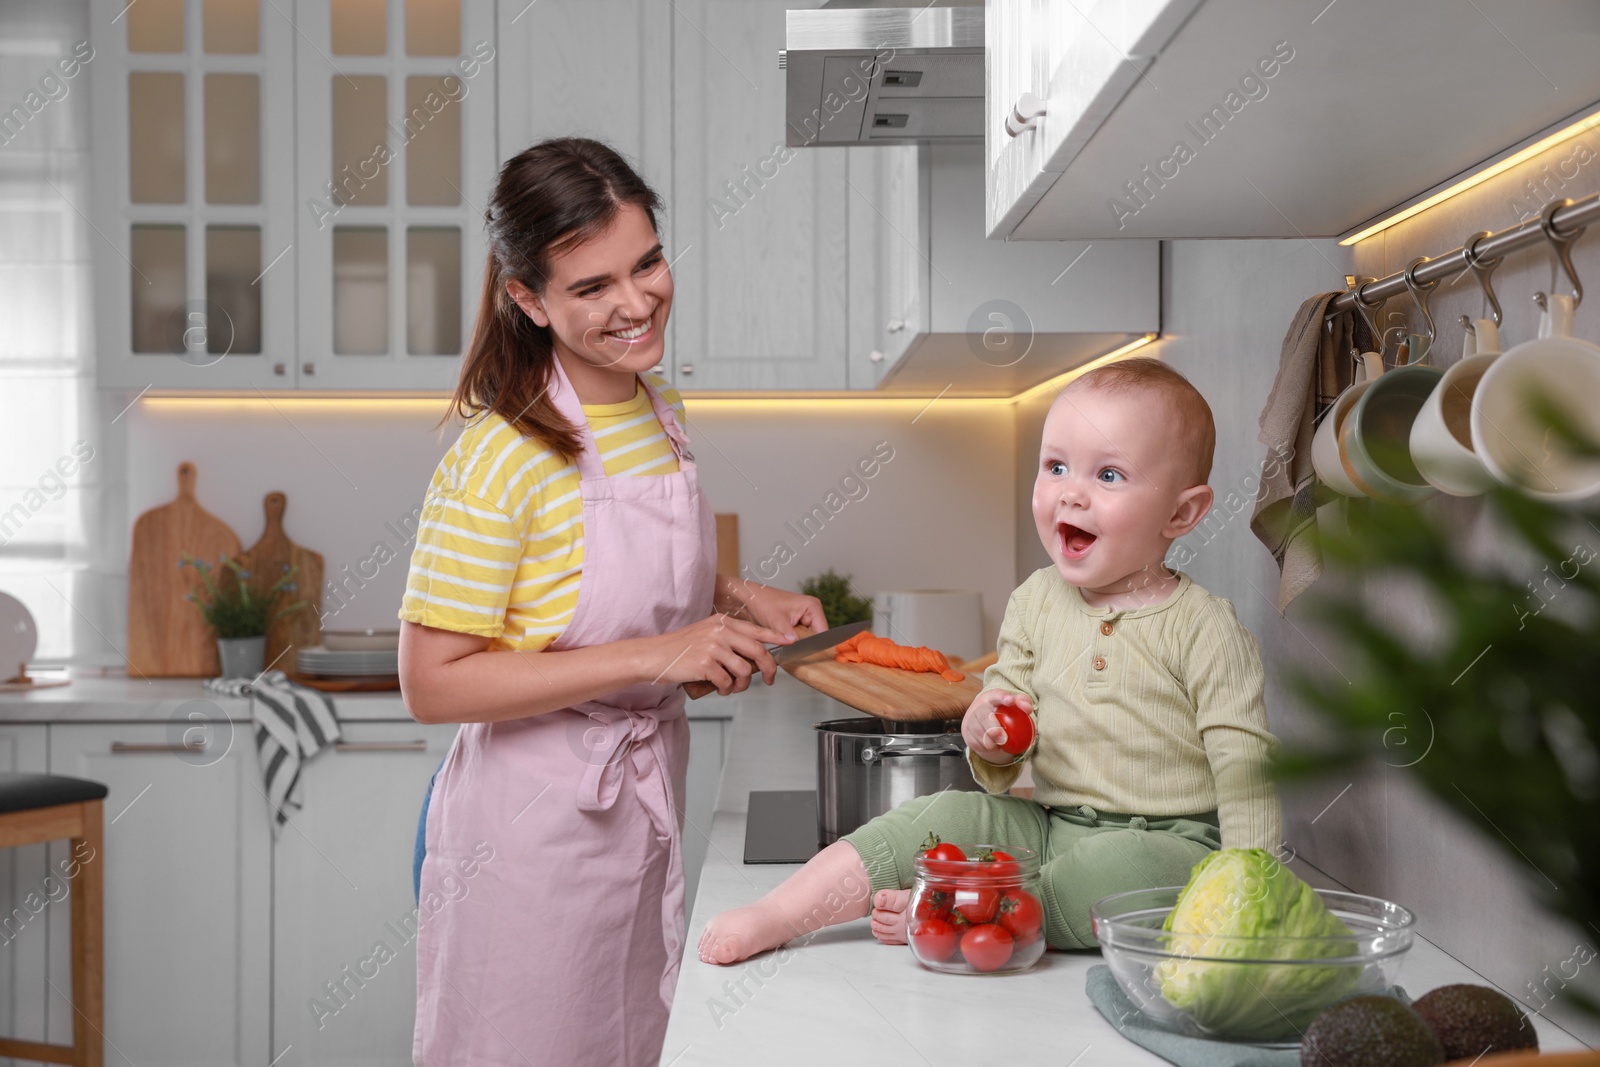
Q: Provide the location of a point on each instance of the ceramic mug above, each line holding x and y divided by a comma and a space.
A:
1441, 438
1375, 440
1325, 445
1517, 447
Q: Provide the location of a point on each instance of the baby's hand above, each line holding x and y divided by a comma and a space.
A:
982, 732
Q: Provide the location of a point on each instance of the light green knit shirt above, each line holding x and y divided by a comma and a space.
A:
1153, 711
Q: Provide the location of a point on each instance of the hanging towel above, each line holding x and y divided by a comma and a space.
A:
1285, 517
292, 724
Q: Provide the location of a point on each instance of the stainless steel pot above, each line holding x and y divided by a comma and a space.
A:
867, 766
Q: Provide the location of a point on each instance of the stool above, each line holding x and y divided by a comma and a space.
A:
50, 807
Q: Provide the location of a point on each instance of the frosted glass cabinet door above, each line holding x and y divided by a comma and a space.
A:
396, 161
193, 202
187, 904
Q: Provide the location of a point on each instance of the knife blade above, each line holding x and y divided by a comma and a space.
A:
782, 654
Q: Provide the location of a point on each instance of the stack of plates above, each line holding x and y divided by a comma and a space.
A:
327, 662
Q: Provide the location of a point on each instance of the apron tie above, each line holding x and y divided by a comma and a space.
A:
636, 737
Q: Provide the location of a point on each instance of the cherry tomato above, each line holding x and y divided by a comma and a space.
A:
934, 939
977, 906
1021, 916
996, 864
934, 903
1018, 727
937, 850
986, 947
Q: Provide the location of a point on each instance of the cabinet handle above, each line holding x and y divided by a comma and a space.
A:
310, 368
1029, 110
687, 368
875, 356
895, 325
380, 746
158, 746
279, 369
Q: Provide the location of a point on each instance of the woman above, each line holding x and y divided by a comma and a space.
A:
562, 588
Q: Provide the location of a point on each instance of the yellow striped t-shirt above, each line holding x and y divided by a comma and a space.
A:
500, 545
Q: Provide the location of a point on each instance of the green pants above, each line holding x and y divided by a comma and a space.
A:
1083, 854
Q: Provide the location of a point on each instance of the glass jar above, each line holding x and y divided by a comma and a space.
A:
983, 914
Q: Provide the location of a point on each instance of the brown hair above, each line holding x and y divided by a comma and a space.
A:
547, 198
1197, 431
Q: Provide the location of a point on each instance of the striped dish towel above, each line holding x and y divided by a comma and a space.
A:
292, 724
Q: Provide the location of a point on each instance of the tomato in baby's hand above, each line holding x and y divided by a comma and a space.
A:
1018, 727
1021, 916
934, 939
986, 947
977, 906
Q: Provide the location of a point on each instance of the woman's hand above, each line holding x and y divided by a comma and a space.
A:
722, 650
982, 732
779, 609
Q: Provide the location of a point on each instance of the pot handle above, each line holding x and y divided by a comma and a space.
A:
870, 754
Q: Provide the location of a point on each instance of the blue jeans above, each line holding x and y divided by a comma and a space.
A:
421, 848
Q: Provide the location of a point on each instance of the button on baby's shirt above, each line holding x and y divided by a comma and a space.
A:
1106, 628
1099, 663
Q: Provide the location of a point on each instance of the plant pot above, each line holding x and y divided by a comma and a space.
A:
242, 657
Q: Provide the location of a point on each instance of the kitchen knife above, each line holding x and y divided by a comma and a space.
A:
806, 646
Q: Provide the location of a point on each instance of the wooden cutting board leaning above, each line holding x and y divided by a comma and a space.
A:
267, 561
167, 635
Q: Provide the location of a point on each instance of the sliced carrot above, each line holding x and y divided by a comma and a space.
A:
866, 647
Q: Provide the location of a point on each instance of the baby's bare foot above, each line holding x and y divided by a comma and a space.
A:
889, 915
741, 933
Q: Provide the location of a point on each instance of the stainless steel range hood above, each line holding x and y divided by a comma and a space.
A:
884, 75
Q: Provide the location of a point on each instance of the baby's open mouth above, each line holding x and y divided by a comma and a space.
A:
1075, 541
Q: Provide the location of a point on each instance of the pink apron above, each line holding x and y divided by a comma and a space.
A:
563, 946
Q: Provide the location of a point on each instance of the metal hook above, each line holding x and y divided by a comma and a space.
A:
1561, 245
1419, 293
1482, 269
1366, 310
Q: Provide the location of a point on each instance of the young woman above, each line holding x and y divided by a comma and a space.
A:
562, 589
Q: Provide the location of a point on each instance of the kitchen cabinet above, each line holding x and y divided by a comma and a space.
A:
293, 195
1169, 118
708, 748
344, 915
759, 231
188, 857
24, 892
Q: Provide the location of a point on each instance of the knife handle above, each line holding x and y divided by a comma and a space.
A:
696, 690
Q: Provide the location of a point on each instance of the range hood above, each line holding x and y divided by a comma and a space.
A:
861, 75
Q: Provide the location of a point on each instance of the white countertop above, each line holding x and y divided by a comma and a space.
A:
842, 997
119, 698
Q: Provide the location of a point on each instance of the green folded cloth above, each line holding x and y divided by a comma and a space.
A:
1132, 1024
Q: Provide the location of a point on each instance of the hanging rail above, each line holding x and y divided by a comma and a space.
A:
1569, 220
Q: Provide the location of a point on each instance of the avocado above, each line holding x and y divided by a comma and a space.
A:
1370, 1031
1473, 1019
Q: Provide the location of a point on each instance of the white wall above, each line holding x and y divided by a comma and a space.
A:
939, 514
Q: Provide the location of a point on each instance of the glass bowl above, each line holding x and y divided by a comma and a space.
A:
1262, 990
976, 917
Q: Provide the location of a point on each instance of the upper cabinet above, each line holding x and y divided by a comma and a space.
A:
294, 204
1250, 118
759, 233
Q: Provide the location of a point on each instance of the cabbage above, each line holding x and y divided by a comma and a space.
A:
1246, 893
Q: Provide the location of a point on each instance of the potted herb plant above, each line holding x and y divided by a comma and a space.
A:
840, 605
237, 614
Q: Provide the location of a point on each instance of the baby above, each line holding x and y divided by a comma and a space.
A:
1151, 738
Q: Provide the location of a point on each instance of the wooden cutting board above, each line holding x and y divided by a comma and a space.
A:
167, 635
886, 692
266, 561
